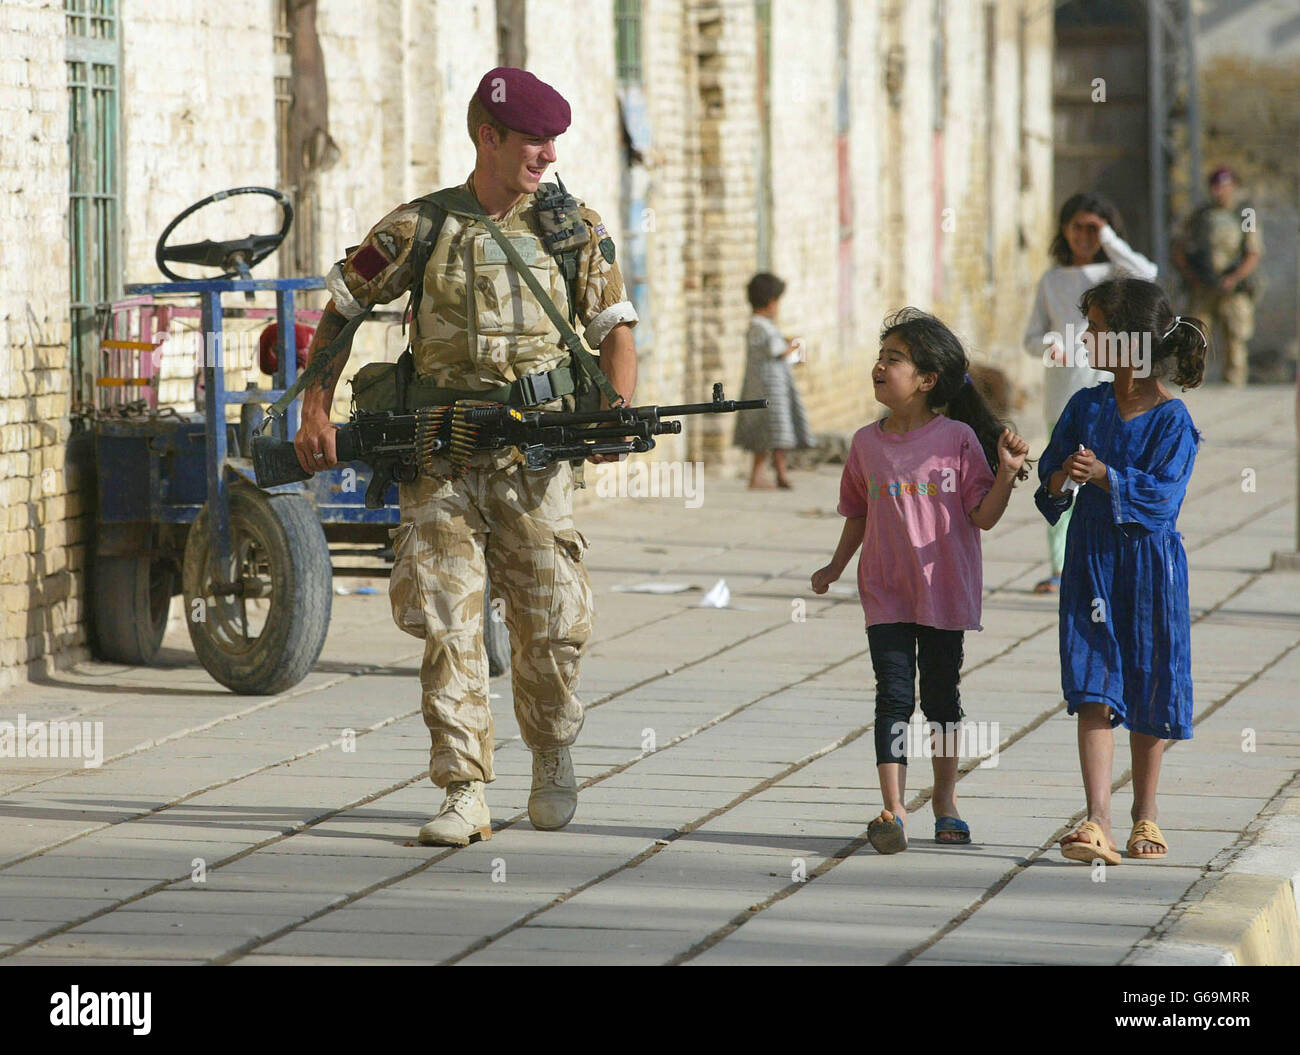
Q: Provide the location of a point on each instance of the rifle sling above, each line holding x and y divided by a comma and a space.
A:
456, 200
319, 362
459, 201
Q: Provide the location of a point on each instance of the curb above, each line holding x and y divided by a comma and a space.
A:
1249, 915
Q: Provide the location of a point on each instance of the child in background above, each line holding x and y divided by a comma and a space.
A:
1089, 248
784, 424
917, 489
1125, 614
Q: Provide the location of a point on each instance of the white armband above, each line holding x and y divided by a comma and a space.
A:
598, 329
344, 301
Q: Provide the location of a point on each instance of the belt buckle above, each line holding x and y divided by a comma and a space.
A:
536, 389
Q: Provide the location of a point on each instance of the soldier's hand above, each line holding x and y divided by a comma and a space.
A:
315, 444
1227, 283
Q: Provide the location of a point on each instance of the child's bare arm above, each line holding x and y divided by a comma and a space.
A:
850, 540
986, 515
1012, 451
1056, 482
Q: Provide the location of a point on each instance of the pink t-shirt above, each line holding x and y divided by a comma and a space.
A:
921, 560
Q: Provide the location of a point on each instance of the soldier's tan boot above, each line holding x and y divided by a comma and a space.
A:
555, 791
464, 817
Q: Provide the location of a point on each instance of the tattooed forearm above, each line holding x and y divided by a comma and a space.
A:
331, 324
317, 397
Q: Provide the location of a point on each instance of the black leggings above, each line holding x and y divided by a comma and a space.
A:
897, 649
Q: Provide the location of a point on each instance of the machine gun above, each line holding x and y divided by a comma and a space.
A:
399, 447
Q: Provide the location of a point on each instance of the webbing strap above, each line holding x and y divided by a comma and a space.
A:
318, 363
458, 200
428, 228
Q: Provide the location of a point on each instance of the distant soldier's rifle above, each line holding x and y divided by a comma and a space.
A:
399, 447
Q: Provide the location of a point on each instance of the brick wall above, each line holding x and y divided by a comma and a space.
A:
40, 591
721, 251
199, 116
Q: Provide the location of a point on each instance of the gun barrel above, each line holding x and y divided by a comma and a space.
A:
629, 415
725, 406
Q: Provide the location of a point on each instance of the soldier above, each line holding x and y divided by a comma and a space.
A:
478, 332
1218, 254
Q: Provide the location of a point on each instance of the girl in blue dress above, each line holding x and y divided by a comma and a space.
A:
1128, 447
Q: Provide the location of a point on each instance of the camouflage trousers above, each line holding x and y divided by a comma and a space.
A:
518, 525
1230, 318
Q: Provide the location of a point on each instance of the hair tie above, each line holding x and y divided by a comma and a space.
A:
969, 381
1180, 321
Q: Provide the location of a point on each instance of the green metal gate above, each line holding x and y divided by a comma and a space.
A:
94, 185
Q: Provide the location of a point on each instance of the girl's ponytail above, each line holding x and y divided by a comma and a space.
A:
970, 406
1187, 341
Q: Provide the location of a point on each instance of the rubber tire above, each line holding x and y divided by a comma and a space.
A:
129, 607
496, 636
301, 593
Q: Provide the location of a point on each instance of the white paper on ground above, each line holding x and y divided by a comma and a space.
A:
656, 587
717, 597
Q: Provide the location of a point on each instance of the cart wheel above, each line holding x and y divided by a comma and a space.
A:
266, 640
131, 596
496, 637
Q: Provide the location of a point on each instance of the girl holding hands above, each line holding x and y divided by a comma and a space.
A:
1122, 455
917, 490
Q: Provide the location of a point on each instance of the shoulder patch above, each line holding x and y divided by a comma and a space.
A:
601, 232
369, 262
387, 243
607, 249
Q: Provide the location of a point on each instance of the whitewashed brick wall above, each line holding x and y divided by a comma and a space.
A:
40, 509
200, 116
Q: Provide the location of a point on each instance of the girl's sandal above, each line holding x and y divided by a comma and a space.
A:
955, 826
1146, 832
1092, 846
1052, 584
886, 834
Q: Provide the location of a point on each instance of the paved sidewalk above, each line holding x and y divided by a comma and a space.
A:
728, 767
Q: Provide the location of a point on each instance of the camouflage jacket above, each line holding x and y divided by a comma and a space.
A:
478, 325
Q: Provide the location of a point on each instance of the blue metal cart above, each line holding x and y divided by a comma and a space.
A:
177, 492
177, 504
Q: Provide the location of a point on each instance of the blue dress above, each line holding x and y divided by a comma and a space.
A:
1125, 614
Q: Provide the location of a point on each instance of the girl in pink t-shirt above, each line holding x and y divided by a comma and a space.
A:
918, 487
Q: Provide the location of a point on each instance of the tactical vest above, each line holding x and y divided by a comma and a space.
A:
479, 330
478, 324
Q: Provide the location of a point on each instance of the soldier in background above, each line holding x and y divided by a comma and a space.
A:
1218, 254
480, 333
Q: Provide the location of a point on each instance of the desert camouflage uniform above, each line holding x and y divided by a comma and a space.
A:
517, 524
1230, 316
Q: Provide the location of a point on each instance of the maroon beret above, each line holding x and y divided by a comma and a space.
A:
523, 103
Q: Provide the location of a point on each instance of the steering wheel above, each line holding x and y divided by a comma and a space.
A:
235, 257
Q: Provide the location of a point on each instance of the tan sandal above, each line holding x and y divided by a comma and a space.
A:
1091, 847
1146, 832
